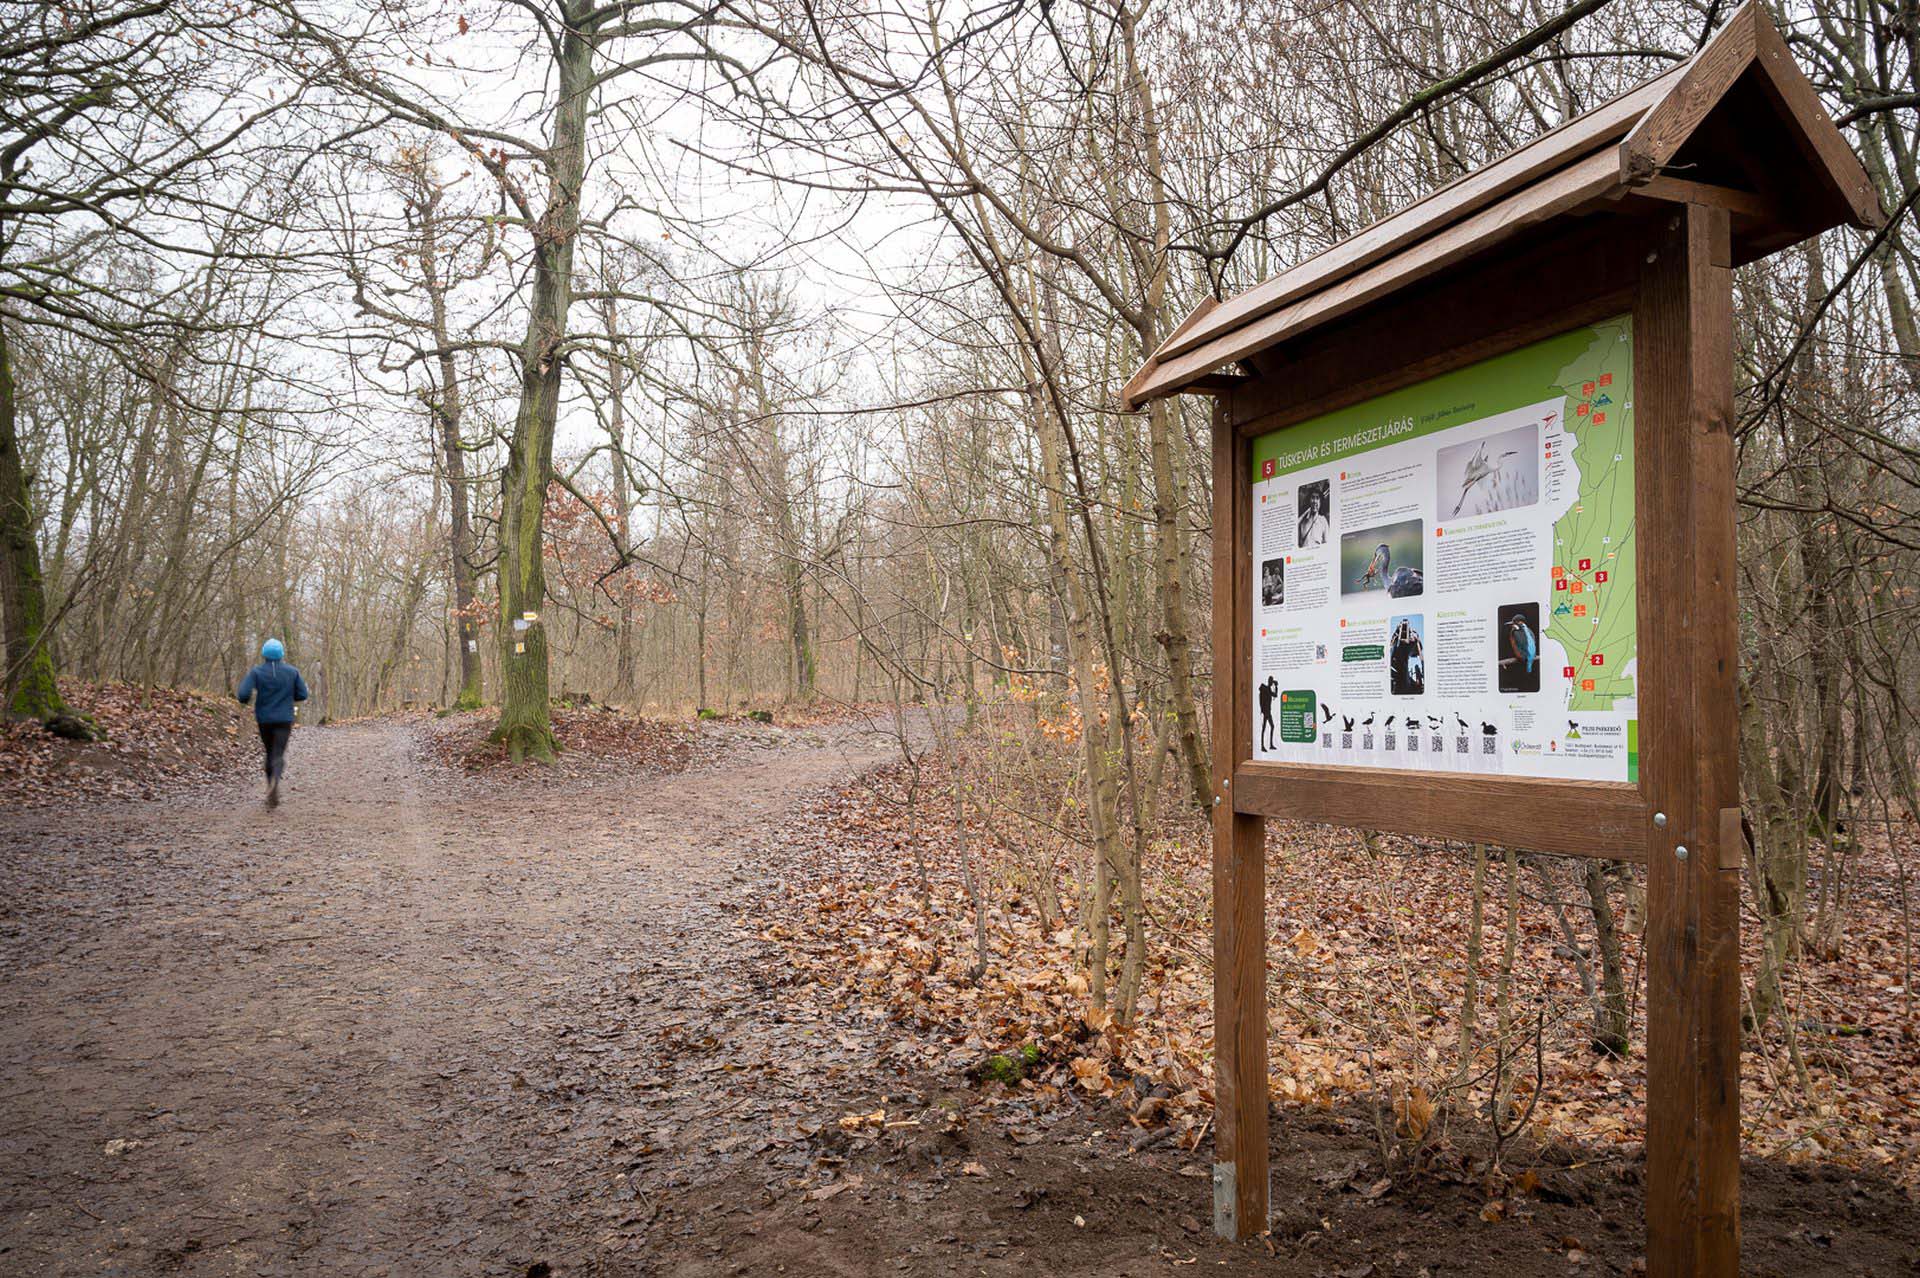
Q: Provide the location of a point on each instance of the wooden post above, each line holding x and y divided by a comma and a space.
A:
1683, 336
1240, 1190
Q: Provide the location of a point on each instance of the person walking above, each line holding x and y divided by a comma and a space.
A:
273, 686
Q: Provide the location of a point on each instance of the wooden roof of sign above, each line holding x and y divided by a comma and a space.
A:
1736, 125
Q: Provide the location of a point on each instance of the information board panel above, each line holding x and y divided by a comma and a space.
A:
1443, 576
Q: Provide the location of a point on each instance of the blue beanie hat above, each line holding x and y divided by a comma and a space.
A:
273, 650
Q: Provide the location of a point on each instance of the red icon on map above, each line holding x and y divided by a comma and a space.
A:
1600, 576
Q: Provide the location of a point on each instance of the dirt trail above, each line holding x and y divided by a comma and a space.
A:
417, 1024
397, 1026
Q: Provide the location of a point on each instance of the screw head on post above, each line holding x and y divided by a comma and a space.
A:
1680, 853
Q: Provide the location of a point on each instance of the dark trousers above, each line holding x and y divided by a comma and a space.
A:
274, 737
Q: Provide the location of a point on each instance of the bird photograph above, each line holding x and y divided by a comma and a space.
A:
1517, 647
1493, 473
1481, 471
1522, 642
1388, 557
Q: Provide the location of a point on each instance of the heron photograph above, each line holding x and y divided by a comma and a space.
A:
1489, 474
1387, 557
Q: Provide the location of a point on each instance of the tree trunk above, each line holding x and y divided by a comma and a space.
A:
416, 590
453, 457
1476, 948
1610, 1020
526, 724
31, 690
1175, 639
1503, 995
1174, 635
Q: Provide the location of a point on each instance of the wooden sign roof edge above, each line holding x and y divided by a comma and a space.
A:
1644, 127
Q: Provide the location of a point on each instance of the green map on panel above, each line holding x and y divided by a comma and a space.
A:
1593, 615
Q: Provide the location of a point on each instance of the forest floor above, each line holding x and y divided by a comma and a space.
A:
425, 1019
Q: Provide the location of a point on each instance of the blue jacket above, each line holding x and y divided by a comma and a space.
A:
274, 687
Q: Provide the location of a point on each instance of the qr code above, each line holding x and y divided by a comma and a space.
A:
1438, 744
1487, 745
1366, 742
1326, 741
1346, 741
1459, 745
1392, 742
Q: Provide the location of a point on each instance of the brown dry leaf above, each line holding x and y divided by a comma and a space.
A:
1368, 954
828, 1191
1416, 1113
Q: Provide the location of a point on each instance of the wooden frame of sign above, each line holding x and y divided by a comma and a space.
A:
1441, 286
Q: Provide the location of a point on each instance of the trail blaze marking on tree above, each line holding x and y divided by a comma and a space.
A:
1412, 369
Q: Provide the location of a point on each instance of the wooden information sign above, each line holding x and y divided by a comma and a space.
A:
1473, 484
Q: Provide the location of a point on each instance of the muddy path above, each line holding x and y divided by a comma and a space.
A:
413, 1023
403, 1024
